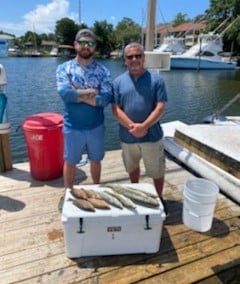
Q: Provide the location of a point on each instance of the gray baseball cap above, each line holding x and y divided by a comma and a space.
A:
85, 33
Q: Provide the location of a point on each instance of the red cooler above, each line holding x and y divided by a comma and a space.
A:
44, 138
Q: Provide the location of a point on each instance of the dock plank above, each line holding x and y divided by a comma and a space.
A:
213, 148
32, 243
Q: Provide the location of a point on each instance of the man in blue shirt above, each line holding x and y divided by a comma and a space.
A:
85, 88
139, 102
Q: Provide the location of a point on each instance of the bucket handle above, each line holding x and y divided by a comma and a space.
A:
195, 215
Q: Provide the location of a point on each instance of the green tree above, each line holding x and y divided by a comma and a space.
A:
105, 37
179, 19
127, 31
33, 38
217, 13
66, 30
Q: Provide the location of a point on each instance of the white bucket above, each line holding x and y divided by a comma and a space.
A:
199, 200
202, 209
196, 222
201, 190
5, 128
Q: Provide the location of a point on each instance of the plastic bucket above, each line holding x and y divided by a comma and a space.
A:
199, 200
5, 128
202, 209
44, 139
201, 190
196, 222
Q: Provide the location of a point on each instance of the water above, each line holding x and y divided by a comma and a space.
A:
192, 95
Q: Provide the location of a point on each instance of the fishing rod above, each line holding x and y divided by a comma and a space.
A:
216, 115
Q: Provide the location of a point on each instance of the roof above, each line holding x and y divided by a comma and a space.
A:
168, 28
189, 26
8, 37
49, 43
65, 46
165, 28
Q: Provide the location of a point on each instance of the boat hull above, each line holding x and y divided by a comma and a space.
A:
196, 63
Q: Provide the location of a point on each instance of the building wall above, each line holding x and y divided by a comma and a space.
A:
3, 48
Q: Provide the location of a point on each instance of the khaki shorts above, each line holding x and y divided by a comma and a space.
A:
152, 154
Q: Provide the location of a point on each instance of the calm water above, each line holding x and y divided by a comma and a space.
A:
32, 89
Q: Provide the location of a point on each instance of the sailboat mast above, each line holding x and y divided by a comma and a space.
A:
151, 23
79, 12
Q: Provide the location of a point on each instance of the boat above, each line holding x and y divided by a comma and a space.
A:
174, 45
14, 52
206, 54
54, 52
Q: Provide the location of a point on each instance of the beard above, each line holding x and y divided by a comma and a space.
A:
85, 53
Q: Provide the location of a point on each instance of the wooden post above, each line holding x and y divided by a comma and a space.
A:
151, 23
5, 153
2, 166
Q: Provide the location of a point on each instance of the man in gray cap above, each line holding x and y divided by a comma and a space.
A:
85, 88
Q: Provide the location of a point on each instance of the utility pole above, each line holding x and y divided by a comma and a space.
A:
79, 12
151, 23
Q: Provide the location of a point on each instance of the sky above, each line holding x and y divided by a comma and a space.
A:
40, 16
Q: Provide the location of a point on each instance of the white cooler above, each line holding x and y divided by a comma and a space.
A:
111, 232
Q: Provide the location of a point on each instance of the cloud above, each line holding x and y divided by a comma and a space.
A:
112, 18
12, 27
42, 19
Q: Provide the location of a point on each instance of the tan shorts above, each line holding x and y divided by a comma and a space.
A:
152, 154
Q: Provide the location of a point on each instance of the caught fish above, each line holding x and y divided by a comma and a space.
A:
134, 195
91, 193
79, 193
82, 204
110, 199
99, 203
145, 200
153, 195
126, 202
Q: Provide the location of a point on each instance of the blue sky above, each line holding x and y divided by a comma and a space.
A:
18, 16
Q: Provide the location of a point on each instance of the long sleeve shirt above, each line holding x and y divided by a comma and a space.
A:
72, 76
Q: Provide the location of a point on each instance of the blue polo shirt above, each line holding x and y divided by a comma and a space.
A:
137, 98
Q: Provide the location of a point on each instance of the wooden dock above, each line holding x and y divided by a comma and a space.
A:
32, 242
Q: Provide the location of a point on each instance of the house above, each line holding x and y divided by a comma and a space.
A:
65, 50
189, 31
48, 46
4, 44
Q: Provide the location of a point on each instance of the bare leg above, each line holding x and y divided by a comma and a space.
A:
159, 185
95, 168
134, 175
68, 174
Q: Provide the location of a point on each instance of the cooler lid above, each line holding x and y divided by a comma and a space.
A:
43, 121
71, 211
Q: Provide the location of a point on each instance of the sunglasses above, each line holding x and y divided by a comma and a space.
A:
137, 56
88, 42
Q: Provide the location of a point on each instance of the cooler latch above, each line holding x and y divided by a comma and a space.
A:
80, 226
147, 223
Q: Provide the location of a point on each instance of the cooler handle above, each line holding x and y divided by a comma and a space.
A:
147, 223
80, 226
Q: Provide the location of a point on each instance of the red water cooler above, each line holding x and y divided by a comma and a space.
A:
44, 140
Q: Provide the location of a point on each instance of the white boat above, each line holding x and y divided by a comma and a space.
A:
204, 55
171, 44
54, 52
